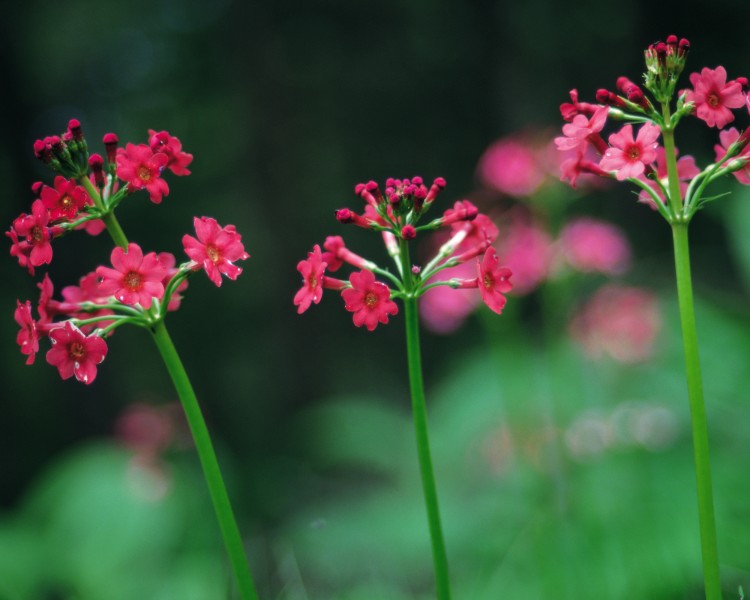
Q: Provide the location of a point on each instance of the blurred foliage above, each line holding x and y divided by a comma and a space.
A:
286, 105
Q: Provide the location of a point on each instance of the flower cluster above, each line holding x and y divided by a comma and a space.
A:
395, 212
137, 287
637, 155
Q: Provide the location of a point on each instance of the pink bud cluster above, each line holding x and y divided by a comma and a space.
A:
136, 287
395, 212
636, 154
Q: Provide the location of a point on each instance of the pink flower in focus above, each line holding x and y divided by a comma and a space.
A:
511, 167
312, 270
167, 144
135, 279
369, 300
628, 156
443, 309
713, 96
686, 170
620, 322
21, 249
64, 200
481, 232
28, 337
494, 281
576, 134
75, 354
141, 168
589, 245
34, 228
527, 251
727, 138
216, 249
579, 162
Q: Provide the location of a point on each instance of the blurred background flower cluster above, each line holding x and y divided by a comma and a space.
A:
560, 429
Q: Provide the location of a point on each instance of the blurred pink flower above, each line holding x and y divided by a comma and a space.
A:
589, 245
513, 167
443, 310
526, 249
619, 322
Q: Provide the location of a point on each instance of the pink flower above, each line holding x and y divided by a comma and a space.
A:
629, 157
216, 249
481, 232
714, 96
135, 279
28, 337
526, 249
169, 262
727, 138
369, 300
21, 249
589, 245
443, 309
75, 354
511, 167
141, 168
581, 129
167, 144
65, 199
686, 170
34, 228
312, 270
621, 322
494, 281
577, 163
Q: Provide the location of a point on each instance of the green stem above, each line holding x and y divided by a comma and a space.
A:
201, 437
706, 518
667, 134
211, 471
419, 411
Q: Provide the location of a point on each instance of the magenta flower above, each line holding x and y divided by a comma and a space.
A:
494, 281
312, 270
577, 133
512, 167
714, 96
369, 300
168, 144
686, 170
65, 199
135, 279
35, 228
141, 168
628, 157
727, 138
75, 354
216, 249
28, 336
590, 246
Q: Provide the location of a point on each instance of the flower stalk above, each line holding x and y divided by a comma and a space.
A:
419, 412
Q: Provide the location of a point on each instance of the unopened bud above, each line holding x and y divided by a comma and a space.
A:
96, 162
110, 144
408, 232
74, 127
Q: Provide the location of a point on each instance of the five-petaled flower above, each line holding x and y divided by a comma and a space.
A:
714, 96
135, 279
369, 300
494, 281
216, 249
64, 200
74, 353
37, 232
141, 168
628, 157
312, 270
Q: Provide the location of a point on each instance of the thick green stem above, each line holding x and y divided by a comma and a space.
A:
211, 471
419, 411
706, 518
667, 134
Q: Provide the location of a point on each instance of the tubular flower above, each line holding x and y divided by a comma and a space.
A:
581, 130
312, 270
369, 300
167, 144
628, 157
73, 353
494, 281
28, 337
135, 279
35, 228
714, 96
216, 249
141, 168
727, 138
